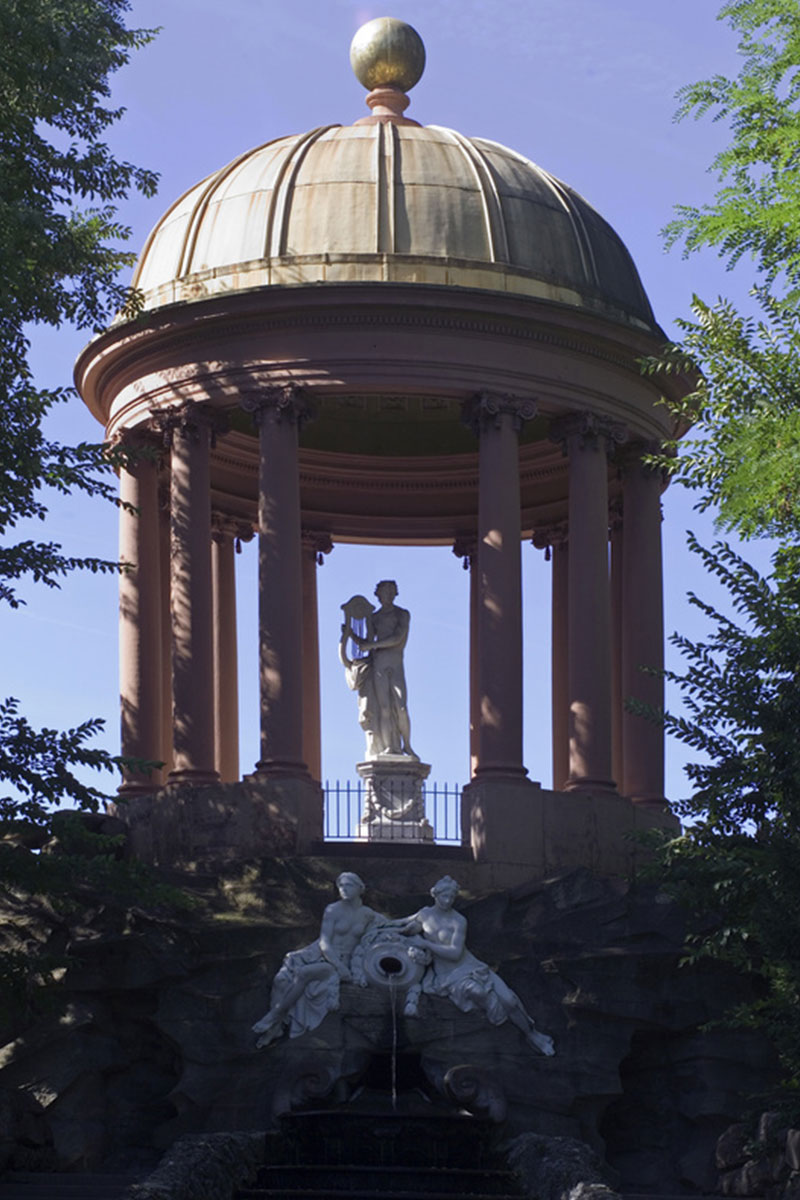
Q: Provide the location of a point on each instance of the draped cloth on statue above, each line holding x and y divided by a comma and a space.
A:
318, 997
461, 982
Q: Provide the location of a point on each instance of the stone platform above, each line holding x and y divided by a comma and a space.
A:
513, 832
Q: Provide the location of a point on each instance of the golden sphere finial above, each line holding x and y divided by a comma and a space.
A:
387, 53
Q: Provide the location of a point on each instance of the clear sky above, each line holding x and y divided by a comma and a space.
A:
586, 89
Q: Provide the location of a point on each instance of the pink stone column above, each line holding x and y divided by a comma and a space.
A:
226, 533
278, 413
190, 595
315, 546
465, 548
166, 632
498, 419
615, 546
643, 627
587, 439
559, 659
140, 615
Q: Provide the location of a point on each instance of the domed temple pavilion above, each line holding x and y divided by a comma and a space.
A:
386, 332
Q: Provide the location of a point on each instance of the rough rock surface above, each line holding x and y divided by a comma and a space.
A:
764, 1164
203, 1167
150, 1039
558, 1169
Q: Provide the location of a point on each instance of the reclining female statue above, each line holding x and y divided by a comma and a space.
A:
438, 935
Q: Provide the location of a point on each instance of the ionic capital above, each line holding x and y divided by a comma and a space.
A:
225, 526
547, 536
282, 403
128, 447
587, 431
639, 455
316, 544
187, 420
465, 547
486, 410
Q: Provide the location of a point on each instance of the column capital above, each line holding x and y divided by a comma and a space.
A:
226, 526
282, 402
486, 409
317, 544
465, 547
635, 454
547, 536
187, 419
145, 436
587, 430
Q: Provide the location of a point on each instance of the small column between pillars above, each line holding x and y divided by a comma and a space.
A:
226, 534
315, 546
497, 421
554, 541
643, 625
278, 412
587, 440
465, 548
140, 612
188, 429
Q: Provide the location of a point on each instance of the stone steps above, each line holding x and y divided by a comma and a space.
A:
72, 1185
388, 1194
359, 1179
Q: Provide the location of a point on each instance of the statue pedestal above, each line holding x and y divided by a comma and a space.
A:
394, 805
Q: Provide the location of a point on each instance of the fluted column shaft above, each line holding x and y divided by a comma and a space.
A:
140, 617
314, 546
643, 628
498, 419
191, 606
587, 439
278, 412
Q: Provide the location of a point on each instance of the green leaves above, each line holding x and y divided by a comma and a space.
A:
61, 258
736, 864
756, 210
743, 455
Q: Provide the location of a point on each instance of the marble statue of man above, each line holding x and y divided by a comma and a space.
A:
306, 988
385, 640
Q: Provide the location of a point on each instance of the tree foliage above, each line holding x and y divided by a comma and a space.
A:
743, 455
744, 451
60, 244
737, 860
61, 252
736, 863
756, 210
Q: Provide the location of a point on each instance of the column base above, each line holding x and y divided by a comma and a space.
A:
585, 784
191, 775
130, 787
275, 768
654, 802
501, 771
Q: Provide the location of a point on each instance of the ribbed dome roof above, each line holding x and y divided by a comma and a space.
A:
389, 202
